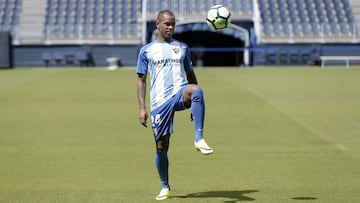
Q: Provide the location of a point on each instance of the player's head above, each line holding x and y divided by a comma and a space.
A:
165, 24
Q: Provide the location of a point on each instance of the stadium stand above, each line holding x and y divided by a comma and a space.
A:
31, 23
92, 21
9, 15
119, 21
306, 20
190, 9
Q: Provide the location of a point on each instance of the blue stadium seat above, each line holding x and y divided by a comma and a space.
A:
58, 56
9, 15
307, 17
46, 57
315, 28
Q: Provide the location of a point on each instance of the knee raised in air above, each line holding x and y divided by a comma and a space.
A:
197, 95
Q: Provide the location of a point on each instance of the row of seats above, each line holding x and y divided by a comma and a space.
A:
308, 29
92, 12
306, 17
73, 18
297, 11
88, 31
198, 8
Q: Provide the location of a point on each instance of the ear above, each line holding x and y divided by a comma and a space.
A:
157, 24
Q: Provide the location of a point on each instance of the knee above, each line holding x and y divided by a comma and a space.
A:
197, 95
194, 87
162, 144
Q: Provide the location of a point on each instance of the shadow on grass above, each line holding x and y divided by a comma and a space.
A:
233, 196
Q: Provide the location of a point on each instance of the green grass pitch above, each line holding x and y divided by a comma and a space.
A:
279, 135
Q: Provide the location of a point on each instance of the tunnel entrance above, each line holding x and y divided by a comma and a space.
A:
213, 48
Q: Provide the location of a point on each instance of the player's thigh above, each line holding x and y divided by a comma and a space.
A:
162, 121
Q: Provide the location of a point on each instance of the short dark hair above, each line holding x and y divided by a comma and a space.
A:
168, 12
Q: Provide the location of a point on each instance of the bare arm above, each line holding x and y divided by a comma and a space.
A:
191, 77
141, 94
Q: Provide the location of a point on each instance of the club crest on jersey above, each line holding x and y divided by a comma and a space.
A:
176, 50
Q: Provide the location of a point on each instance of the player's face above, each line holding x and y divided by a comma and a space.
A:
166, 27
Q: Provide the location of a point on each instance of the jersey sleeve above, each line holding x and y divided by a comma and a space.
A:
142, 63
187, 59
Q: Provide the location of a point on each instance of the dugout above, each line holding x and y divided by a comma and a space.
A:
302, 54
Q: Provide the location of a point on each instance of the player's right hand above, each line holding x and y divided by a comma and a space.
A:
143, 116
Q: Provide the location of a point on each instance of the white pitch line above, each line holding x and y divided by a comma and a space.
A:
338, 146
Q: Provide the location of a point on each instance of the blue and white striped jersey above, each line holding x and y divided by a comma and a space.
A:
166, 63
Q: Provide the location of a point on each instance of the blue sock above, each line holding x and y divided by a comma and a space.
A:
162, 165
198, 112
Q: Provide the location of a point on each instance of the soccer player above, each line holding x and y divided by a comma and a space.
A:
173, 87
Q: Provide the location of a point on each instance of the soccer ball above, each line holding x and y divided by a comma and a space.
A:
218, 17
